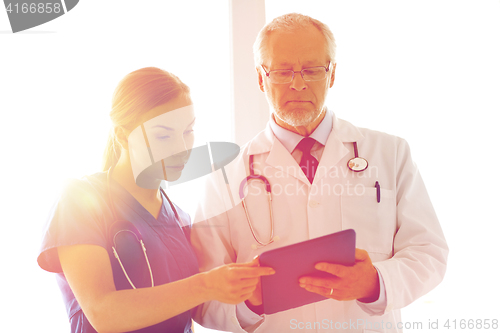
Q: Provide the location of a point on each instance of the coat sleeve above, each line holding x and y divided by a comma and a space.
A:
211, 240
420, 250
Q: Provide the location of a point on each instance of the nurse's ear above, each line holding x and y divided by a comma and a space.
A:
121, 136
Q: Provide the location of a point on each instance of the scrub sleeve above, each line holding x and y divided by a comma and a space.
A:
82, 215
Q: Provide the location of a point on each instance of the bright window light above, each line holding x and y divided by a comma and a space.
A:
427, 71
56, 85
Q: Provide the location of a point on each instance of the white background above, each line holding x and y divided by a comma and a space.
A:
428, 71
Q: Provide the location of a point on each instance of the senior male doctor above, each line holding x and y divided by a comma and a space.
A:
304, 153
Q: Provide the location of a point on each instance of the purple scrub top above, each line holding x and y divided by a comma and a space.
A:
82, 215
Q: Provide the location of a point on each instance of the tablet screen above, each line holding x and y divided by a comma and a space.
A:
281, 291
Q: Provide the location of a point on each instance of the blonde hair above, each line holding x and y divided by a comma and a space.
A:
137, 93
291, 22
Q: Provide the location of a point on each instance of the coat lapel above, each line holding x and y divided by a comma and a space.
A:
279, 157
335, 149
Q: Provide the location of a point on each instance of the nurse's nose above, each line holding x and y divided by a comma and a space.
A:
181, 148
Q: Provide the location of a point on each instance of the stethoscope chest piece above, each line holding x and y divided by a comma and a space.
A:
357, 164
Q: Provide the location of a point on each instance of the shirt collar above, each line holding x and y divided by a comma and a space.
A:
291, 139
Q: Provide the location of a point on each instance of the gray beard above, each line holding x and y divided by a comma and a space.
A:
298, 119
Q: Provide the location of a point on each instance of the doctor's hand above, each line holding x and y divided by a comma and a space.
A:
359, 281
234, 283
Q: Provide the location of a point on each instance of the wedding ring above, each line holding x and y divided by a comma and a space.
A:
331, 291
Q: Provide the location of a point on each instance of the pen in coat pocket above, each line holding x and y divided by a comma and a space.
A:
377, 186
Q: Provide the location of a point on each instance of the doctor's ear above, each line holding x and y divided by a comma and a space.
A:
261, 79
332, 75
121, 136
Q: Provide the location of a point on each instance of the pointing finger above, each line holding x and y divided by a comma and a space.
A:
251, 272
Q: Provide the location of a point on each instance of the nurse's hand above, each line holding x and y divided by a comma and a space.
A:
256, 297
234, 283
359, 281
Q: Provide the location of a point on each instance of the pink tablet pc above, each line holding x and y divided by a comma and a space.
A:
281, 291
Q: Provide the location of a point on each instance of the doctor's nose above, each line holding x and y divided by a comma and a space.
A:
298, 83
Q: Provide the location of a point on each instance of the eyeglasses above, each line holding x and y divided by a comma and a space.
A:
282, 76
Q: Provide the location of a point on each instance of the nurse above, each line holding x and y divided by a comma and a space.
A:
140, 289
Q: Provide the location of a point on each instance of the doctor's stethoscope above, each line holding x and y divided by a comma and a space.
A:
356, 164
125, 226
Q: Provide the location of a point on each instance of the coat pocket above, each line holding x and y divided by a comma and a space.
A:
373, 220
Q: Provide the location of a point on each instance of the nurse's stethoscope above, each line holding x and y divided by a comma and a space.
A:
120, 226
356, 164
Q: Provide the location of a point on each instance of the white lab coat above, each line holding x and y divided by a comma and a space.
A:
401, 233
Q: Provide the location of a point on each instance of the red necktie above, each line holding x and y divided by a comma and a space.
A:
308, 163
